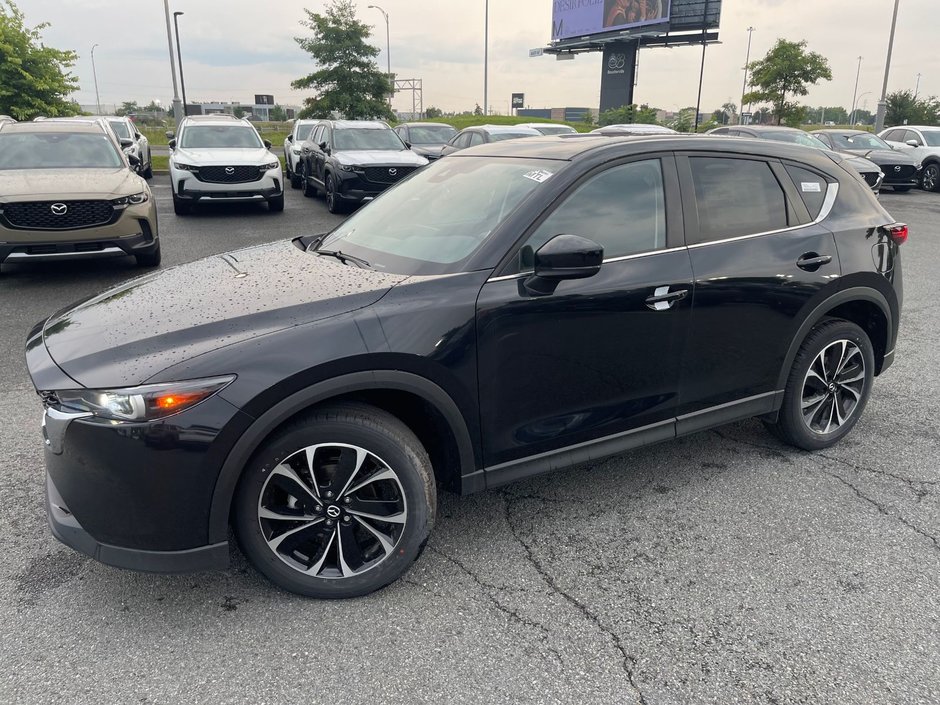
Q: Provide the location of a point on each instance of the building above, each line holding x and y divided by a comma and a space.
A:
561, 114
260, 110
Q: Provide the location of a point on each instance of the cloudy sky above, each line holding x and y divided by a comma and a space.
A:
233, 49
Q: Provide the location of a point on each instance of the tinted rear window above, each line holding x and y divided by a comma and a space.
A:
811, 187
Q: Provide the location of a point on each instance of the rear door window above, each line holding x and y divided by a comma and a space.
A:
736, 197
475, 139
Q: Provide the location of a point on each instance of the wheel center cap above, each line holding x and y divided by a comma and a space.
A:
333, 511
832, 387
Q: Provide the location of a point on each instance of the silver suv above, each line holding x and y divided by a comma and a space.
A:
133, 143
921, 142
219, 158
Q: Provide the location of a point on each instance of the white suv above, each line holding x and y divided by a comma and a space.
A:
292, 144
221, 158
922, 143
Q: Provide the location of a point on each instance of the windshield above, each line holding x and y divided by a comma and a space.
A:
120, 129
500, 136
555, 129
430, 134
794, 138
345, 139
58, 150
220, 136
932, 137
858, 141
433, 221
303, 131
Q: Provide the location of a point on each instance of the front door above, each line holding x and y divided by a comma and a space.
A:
595, 363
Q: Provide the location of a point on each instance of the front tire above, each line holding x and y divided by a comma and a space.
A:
181, 207
333, 202
150, 259
276, 204
148, 172
338, 504
828, 386
930, 177
309, 190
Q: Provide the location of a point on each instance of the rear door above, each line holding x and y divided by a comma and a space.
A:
758, 259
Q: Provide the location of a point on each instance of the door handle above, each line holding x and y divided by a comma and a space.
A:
812, 261
663, 299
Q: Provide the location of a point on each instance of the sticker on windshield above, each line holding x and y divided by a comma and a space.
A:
810, 187
538, 175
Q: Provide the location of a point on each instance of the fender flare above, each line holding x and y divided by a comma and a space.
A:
255, 434
857, 293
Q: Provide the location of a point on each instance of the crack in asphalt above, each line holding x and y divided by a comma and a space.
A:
628, 662
882, 509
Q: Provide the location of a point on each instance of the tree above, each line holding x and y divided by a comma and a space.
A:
646, 115
348, 81
904, 108
128, 107
239, 112
277, 114
478, 110
624, 115
684, 120
34, 78
786, 70
433, 112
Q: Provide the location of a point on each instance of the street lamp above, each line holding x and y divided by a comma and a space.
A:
855, 91
857, 103
747, 60
94, 72
179, 56
388, 54
486, 56
883, 103
177, 107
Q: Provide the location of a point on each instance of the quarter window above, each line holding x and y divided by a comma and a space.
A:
622, 209
475, 139
736, 197
811, 187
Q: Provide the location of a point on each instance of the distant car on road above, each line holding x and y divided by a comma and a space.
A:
426, 138
133, 143
549, 128
292, 145
353, 160
901, 169
869, 171
484, 134
638, 128
922, 143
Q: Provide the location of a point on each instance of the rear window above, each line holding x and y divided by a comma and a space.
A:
811, 187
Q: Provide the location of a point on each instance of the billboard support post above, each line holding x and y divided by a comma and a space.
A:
701, 73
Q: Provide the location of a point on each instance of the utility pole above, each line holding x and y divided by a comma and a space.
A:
486, 56
177, 106
179, 55
747, 60
917, 87
388, 54
94, 72
855, 91
701, 73
883, 103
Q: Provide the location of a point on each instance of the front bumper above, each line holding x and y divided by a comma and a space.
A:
189, 188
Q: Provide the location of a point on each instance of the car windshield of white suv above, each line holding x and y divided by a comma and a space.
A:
120, 129
219, 137
431, 222
430, 134
858, 141
345, 139
58, 150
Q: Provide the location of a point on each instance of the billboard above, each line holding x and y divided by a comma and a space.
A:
578, 18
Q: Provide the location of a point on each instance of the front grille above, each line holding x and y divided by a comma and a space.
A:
906, 172
386, 174
871, 177
228, 174
50, 215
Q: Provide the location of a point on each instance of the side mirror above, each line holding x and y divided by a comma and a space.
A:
170, 134
324, 146
290, 138
171, 144
563, 257
912, 143
126, 142
407, 145
133, 160
267, 144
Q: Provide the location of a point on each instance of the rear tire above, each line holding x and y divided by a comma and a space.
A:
828, 386
340, 469
150, 259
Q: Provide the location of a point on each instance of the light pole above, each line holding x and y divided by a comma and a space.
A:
857, 103
388, 54
917, 87
747, 60
177, 106
179, 56
94, 72
486, 56
883, 104
855, 91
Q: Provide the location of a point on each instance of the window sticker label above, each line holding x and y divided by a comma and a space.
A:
538, 175
810, 187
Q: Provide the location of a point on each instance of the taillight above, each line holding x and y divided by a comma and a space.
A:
897, 233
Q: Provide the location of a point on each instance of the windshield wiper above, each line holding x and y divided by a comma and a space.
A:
344, 258
310, 242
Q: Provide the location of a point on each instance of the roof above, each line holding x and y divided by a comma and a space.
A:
55, 126
424, 123
846, 131
767, 128
504, 128
928, 128
637, 128
225, 117
359, 124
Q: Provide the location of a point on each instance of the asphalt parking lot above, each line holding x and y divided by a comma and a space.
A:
720, 568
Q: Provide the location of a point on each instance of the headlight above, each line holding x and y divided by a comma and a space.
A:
269, 166
295, 150
346, 167
151, 401
186, 167
133, 149
133, 200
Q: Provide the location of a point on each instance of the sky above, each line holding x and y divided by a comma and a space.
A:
233, 49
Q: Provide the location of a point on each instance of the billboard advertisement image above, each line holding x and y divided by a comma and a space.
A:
578, 18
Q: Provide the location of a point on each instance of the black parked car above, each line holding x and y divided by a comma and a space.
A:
510, 310
353, 160
485, 134
902, 171
868, 170
425, 138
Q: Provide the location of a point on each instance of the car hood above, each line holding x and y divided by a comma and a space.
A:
860, 164
883, 156
432, 151
217, 157
128, 334
383, 157
44, 184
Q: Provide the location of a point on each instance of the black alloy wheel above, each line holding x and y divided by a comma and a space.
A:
338, 504
332, 200
828, 386
930, 178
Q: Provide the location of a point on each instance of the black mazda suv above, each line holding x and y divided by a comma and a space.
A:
513, 309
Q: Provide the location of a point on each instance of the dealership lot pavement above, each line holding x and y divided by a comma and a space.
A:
721, 568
